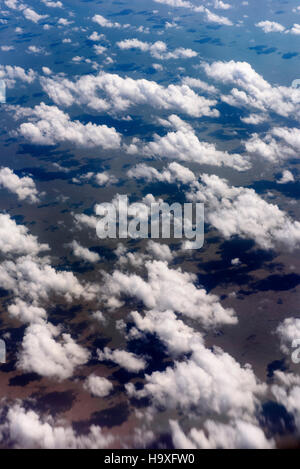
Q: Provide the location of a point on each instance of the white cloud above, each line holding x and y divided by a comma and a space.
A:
210, 381
24, 187
126, 360
287, 177
238, 435
168, 289
27, 313
172, 173
104, 22
15, 239
239, 211
288, 331
270, 27
252, 92
84, 253
158, 50
99, 387
49, 352
31, 15
49, 126
26, 429
107, 92
277, 145
184, 145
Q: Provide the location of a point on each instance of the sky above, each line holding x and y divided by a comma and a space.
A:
147, 343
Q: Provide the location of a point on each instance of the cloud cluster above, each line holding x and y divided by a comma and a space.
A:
174, 172
158, 50
239, 211
112, 93
127, 360
98, 387
49, 352
84, 253
239, 435
252, 92
24, 187
49, 126
169, 289
184, 145
26, 429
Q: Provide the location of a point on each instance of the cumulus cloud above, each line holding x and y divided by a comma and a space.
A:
35, 279
210, 381
127, 360
238, 435
100, 179
15, 239
98, 387
174, 172
288, 332
12, 73
24, 187
270, 27
239, 211
26, 429
184, 145
168, 289
208, 14
276, 146
49, 352
84, 253
99, 19
49, 126
27, 313
158, 50
108, 92
286, 177
252, 92
33, 16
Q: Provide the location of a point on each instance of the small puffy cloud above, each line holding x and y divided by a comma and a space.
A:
98, 387
288, 332
31, 15
24, 187
239, 211
84, 253
286, 177
49, 126
15, 239
158, 50
12, 73
49, 352
104, 22
27, 313
270, 27
127, 360
174, 172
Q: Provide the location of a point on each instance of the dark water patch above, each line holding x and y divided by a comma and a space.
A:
263, 50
